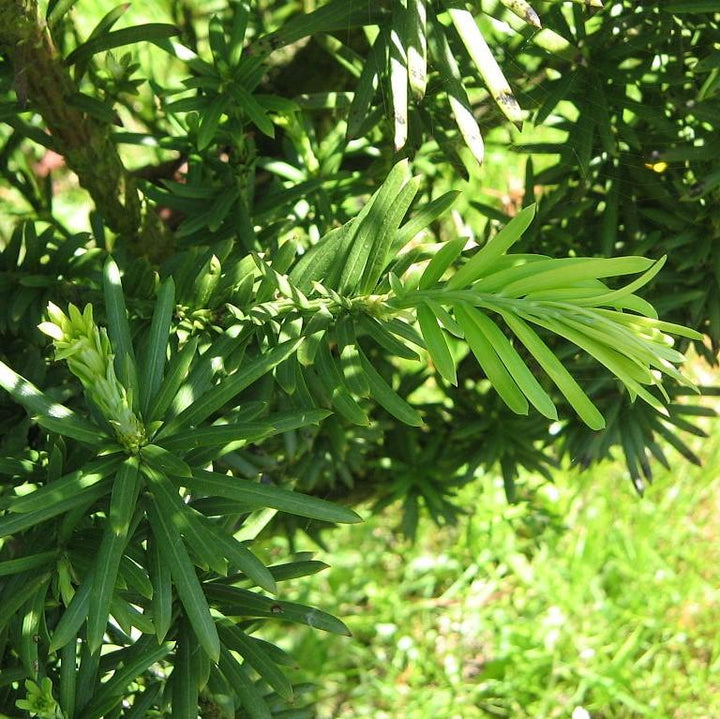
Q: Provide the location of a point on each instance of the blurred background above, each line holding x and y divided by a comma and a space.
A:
582, 600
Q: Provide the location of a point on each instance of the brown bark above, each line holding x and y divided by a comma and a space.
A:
44, 83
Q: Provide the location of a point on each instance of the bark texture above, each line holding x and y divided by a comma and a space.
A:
44, 84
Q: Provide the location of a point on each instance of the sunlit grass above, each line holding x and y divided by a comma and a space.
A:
582, 601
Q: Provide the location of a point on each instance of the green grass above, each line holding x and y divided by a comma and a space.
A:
583, 601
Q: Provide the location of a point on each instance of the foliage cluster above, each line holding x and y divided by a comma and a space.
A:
267, 315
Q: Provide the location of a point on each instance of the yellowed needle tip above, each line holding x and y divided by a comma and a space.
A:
532, 17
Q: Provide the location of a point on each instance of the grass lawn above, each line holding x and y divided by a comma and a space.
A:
583, 601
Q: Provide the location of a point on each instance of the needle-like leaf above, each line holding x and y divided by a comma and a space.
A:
156, 352
250, 697
416, 46
387, 397
486, 64
453, 85
119, 328
481, 262
436, 344
557, 372
185, 579
122, 506
150, 32
501, 380
256, 495
523, 10
399, 73
47, 412
230, 387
